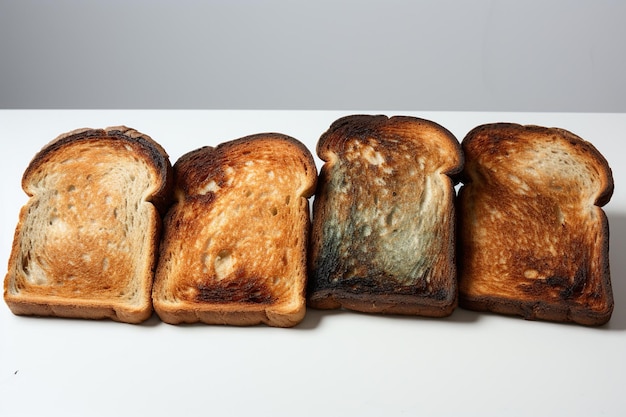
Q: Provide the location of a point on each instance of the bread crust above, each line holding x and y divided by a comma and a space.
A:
383, 217
234, 247
533, 240
144, 145
63, 264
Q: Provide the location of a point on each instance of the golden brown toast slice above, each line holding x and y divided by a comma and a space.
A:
234, 248
383, 217
87, 239
533, 240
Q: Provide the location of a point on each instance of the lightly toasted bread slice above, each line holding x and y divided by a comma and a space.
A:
533, 240
86, 242
234, 246
383, 236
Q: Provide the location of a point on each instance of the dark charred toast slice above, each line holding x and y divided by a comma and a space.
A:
234, 248
383, 217
533, 240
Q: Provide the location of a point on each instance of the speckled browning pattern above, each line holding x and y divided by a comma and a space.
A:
234, 249
383, 233
533, 240
86, 243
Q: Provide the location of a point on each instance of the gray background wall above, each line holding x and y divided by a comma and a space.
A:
514, 55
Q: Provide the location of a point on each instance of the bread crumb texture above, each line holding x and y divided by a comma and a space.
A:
87, 236
383, 214
235, 239
531, 230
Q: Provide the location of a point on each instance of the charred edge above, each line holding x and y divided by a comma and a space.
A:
194, 168
363, 127
381, 286
144, 145
270, 136
349, 127
488, 136
151, 149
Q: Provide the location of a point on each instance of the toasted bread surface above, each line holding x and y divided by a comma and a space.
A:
533, 240
383, 217
234, 247
86, 242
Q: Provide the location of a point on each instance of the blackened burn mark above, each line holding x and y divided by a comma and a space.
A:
563, 287
239, 290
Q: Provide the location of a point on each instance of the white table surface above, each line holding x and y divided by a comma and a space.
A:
333, 363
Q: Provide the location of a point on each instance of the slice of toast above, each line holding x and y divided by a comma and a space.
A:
234, 247
383, 235
86, 242
533, 240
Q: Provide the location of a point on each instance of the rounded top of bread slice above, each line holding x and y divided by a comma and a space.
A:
206, 169
504, 152
68, 145
402, 133
85, 245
